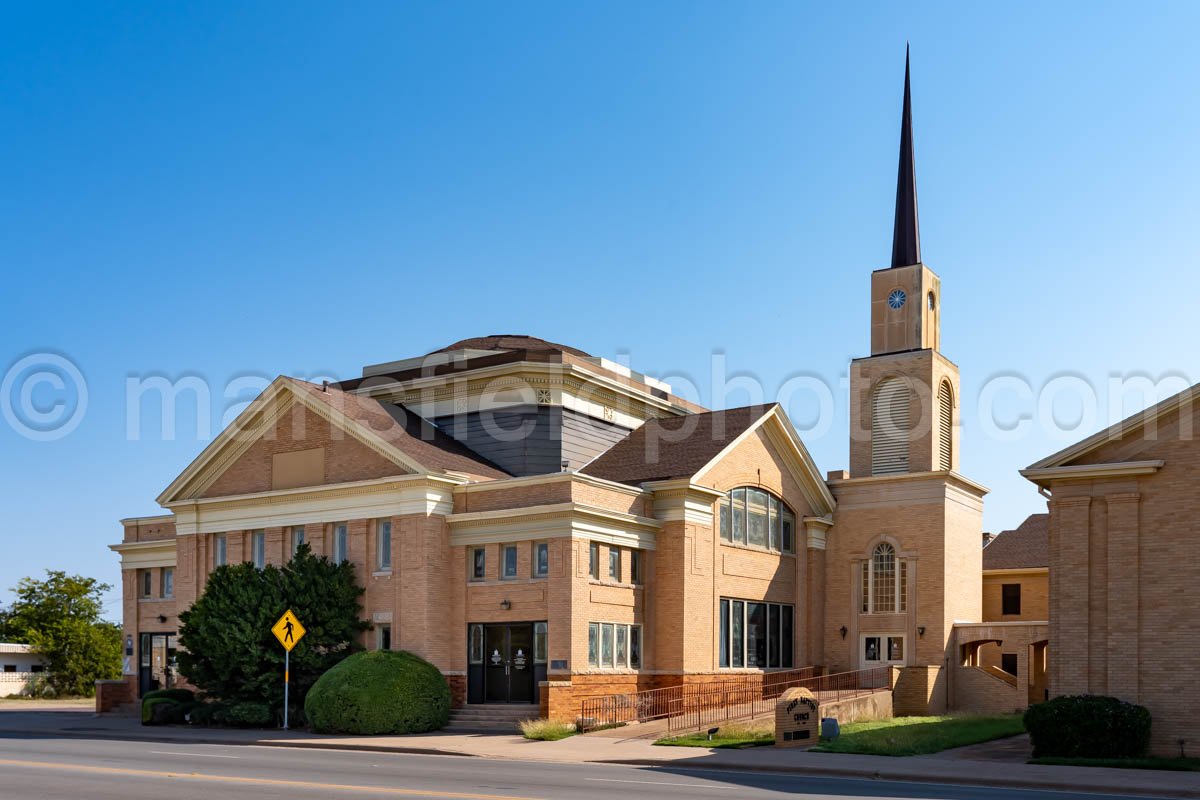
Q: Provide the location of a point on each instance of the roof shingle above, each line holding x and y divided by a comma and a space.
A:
1025, 547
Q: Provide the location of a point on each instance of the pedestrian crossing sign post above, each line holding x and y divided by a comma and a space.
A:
288, 631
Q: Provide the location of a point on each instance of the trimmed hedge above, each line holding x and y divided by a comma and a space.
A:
1088, 726
174, 695
379, 692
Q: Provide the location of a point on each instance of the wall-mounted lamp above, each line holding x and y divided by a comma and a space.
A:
162, 617
845, 630
505, 604
920, 630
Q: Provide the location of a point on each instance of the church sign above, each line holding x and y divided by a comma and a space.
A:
797, 718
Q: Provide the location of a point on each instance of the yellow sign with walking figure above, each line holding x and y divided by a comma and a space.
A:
288, 630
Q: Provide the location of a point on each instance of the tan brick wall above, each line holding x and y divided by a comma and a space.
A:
1035, 596
978, 691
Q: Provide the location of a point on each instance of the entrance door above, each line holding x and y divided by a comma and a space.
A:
508, 663
158, 667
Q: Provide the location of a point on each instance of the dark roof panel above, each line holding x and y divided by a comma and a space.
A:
511, 341
1025, 547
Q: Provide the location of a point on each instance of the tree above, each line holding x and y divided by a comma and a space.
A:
60, 618
227, 649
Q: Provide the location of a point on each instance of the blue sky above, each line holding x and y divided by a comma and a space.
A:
225, 191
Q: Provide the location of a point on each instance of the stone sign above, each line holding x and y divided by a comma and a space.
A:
797, 719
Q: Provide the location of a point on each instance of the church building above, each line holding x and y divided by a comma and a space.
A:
546, 526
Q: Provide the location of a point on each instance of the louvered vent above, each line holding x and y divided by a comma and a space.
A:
945, 427
890, 427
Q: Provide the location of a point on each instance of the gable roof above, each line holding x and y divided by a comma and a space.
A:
393, 431
681, 447
1129, 425
511, 341
1025, 547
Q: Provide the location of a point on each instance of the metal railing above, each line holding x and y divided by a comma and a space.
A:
736, 697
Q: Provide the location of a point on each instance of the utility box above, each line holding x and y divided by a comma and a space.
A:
797, 718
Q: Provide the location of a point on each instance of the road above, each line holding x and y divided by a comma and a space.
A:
85, 769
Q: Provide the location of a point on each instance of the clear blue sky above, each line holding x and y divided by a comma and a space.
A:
210, 190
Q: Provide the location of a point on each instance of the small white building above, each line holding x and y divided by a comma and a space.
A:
18, 664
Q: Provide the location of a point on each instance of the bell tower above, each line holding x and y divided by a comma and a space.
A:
904, 396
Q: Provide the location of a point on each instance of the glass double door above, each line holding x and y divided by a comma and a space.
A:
508, 674
158, 669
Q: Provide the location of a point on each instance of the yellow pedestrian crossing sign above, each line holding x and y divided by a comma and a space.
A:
288, 630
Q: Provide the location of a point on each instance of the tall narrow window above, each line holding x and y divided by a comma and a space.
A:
340, 543
478, 563
594, 561
756, 517
258, 548
739, 516
1010, 599
614, 564
945, 426
384, 637
168, 582
220, 553
297, 538
541, 560
510, 561
885, 584
636, 562
593, 644
890, 427
723, 658
146, 582
383, 544
539, 643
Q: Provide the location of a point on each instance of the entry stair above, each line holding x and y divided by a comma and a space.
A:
490, 718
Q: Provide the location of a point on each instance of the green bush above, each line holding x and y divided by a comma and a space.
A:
148, 706
1088, 726
164, 711
204, 714
174, 695
245, 715
379, 692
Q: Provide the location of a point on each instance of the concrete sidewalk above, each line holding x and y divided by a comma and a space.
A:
630, 751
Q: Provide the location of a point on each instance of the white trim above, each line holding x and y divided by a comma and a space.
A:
1079, 472
146, 555
571, 476
1017, 571
560, 520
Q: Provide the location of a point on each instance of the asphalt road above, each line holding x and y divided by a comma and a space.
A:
84, 769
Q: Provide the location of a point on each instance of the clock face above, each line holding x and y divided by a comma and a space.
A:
896, 298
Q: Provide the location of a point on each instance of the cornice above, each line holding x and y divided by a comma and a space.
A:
1080, 472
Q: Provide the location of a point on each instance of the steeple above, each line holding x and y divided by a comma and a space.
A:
906, 236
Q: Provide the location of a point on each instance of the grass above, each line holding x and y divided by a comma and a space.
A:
732, 736
914, 736
1171, 764
545, 730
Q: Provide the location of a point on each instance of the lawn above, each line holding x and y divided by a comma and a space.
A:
731, 736
1172, 764
914, 736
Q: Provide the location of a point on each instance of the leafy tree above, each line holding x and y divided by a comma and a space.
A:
227, 649
60, 618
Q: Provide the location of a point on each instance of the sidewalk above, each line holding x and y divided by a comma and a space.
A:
631, 751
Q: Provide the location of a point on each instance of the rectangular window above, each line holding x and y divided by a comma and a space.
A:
594, 561
478, 563
220, 553
340, 542
902, 591
383, 639
755, 634
1008, 663
774, 528
878, 650
297, 538
622, 656
756, 517
167, 589
510, 561
539, 643
383, 545
788, 531
593, 644
541, 560
865, 606
146, 582
258, 548
606, 644
739, 516
1010, 598
895, 648
475, 648
636, 561
614, 564
726, 523
635, 646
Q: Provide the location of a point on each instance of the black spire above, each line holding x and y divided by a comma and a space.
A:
906, 236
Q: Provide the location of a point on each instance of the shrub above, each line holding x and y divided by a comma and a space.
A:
164, 711
204, 714
546, 730
245, 715
174, 695
379, 692
1088, 726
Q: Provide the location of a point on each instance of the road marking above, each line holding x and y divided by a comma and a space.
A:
652, 783
334, 788
193, 755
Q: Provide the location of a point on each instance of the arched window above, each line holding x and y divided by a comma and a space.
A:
890, 427
945, 427
884, 582
757, 518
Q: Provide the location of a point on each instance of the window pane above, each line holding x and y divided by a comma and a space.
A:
168, 587
883, 580
510, 561
738, 640
756, 515
219, 550
297, 538
476, 653
593, 645
866, 587
622, 645
635, 647
479, 563
635, 566
606, 645
539, 643
773, 636
726, 533
895, 648
383, 534
542, 555
739, 515
594, 561
258, 548
871, 649
756, 635
614, 563
902, 590
339, 544
724, 647
775, 523
789, 531
786, 646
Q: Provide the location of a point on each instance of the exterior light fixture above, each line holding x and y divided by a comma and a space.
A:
162, 617
920, 630
505, 604
845, 630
